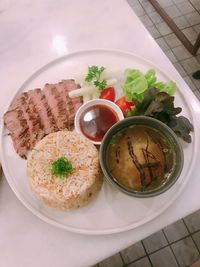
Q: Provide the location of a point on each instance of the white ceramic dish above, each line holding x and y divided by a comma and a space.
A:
91, 103
111, 211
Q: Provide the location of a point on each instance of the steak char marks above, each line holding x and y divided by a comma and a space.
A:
36, 113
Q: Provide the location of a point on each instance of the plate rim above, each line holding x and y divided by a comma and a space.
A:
82, 230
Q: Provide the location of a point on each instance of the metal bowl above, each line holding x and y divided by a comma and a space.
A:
169, 136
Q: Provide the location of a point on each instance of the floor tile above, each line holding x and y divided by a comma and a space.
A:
179, 1
176, 231
133, 3
185, 251
114, 261
196, 82
180, 69
190, 33
139, 10
197, 28
182, 22
196, 237
163, 28
147, 6
144, 262
185, 7
189, 82
181, 52
171, 56
146, 21
190, 65
153, 31
196, 4
197, 94
155, 242
162, 43
172, 11
163, 258
193, 221
165, 3
198, 58
172, 40
193, 18
155, 17
133, 252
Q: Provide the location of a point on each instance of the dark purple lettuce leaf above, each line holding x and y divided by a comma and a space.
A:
160, 105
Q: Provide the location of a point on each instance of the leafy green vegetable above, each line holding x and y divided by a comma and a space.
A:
136, 83
160, 105
94, 76
61, 167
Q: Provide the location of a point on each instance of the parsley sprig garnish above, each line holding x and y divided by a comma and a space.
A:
61, 167
94, 76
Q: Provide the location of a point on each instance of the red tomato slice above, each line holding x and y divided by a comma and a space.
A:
124, 105
108, 93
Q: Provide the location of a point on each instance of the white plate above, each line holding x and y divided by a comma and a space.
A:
111, 211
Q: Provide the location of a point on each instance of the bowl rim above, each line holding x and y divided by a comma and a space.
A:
91, 103
142, 120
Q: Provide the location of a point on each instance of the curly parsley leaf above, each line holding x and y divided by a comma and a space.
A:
61, 167
94, 76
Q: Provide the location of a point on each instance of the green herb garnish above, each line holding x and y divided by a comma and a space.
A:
94, 76
61, 167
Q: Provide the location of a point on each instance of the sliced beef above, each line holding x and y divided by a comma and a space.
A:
18, 128
43, 110
73, 103
57, 104
36, 113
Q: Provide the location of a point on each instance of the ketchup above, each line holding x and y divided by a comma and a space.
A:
96, 121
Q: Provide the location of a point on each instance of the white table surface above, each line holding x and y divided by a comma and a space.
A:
32, 33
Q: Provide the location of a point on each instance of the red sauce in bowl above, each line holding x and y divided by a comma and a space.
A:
96, 121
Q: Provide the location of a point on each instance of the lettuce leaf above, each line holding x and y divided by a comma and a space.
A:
160, 105
136, 83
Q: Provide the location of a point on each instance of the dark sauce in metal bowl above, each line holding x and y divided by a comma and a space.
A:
140, 157
96, 121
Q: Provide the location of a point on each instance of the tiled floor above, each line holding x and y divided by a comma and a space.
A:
179, 243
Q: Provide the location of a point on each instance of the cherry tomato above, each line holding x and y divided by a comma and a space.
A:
124, 105
108, 93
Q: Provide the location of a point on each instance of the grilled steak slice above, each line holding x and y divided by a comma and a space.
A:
18, 128
57, 104
36, 113
43, 110
73, 103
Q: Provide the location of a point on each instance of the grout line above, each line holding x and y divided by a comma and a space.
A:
194, 7
122, 258
147, 254
171, 248
192, 236
127, 264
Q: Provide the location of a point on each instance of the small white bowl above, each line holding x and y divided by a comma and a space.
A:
91, 103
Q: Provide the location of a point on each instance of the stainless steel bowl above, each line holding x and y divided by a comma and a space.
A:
168, 134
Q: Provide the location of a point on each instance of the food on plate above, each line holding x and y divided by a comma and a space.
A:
160, 105
36, 113
64, 171
140, 157
108, 93
136, 83
96, 120
93, 84
124, 105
